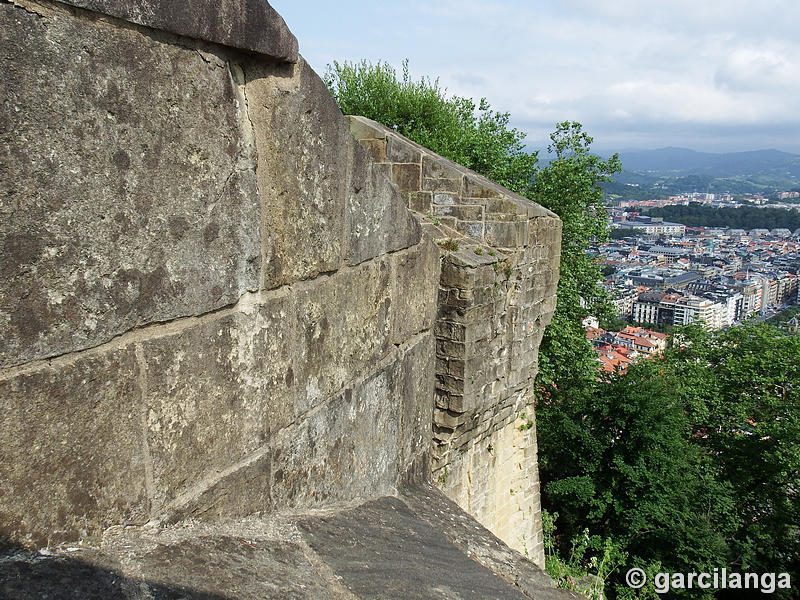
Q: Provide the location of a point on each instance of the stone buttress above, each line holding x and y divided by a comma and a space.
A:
496, 295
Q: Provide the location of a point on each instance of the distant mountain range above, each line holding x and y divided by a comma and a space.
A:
676, 170
681, 162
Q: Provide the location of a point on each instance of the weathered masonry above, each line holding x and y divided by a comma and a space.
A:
223, 317
496, 294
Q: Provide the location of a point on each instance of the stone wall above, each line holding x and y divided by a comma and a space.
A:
496, 295
211, 303
215, 302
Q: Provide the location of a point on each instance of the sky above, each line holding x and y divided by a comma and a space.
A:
710, 75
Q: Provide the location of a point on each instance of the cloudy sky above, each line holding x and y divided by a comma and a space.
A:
712, 75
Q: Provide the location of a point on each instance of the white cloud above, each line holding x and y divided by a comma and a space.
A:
752, 68
625, 66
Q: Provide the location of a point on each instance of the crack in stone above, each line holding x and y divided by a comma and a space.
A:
239, 79
149, 479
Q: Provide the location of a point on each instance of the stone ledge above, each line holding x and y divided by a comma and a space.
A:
251, 25
415, 547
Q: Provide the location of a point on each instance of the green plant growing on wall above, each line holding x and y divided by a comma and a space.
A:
526, 423
449, 244
441, 480
507, 269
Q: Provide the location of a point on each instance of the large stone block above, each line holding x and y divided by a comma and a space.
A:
406, 176
414, 382
242, 491
415, 286
346, 449
344, 328
469, 212
455, 275
122, 200
436, 167
72, 454
376, 149
383, 550
218, 392
474, 229
377, 219
478, 187
242, 564
246, 24
364, 128
442, 185
419, 201
305, 152
401, 150
507, 235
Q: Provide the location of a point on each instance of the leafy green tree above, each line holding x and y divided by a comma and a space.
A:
743, 390
691, 460
570, 186
621, 463
618, 234
742, 217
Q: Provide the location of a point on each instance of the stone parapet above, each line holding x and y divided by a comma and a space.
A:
449, 193
496, 295
413, 547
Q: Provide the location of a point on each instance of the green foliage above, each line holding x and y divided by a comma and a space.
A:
690, 461
781, 319
526, 423
607, 270
570, 186
613, 323
472, 135
587, 564
742, 390
743, 217
618, 234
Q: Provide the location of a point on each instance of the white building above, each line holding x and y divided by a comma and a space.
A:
662, 228
693, 309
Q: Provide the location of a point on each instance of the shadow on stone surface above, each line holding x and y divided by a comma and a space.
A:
26, 575
29, 575
419, 546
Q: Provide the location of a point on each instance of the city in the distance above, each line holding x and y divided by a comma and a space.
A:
712, 239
